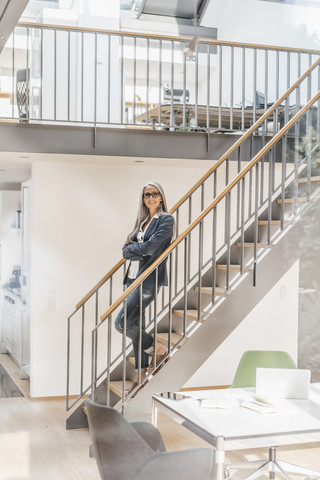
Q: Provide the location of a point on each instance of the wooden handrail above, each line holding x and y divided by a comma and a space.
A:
240, 175
212, 169
166, 37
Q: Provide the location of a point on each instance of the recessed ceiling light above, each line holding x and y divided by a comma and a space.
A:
138, 161
3, 170
2, 38
24, 156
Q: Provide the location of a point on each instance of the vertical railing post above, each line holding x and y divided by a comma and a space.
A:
82, 74
122, 100
160, 81
196, 86
95, 90
309, 150
155, 316
140, 331
93, 363
184, 114
170, 302
269, 197
208, 89
172, 123
134, 79
28, 77
200, 264
214, 254
185, 282
254, 107
69, 66
12, 72
68, 361
227, 234
231, 86
124, 350
243, 95
256, 229
148, 81
55, 76
220, 86
243, 185
82, 347
283, 175
109, 359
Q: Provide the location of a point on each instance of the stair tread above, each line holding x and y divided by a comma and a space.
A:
266, 222
251, 244
291, 200
116, 386
175, 337
191, 313
224, 267
208, 290
312, 179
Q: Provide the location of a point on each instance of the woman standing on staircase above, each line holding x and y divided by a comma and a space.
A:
151, 235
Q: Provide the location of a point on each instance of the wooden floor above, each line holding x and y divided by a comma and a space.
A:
34, 443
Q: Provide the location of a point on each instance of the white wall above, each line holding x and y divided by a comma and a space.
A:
271, 325
263, 22
81, 215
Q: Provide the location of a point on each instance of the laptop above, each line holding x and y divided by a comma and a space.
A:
283, 383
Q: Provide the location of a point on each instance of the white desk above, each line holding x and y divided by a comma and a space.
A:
296, 421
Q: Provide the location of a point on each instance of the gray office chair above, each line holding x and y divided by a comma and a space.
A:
245, 376
135, 450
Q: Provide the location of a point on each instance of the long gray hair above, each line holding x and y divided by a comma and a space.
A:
143, 211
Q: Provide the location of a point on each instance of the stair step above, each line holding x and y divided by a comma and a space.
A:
251, 244
312, 179
235, 268
208, 290
265, 222
291, 200
191, 314
131, 360
116, 386
175, 337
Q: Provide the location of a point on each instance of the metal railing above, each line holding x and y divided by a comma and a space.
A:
295, 165
188, 212
107, 78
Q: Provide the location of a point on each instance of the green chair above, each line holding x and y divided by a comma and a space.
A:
245, 376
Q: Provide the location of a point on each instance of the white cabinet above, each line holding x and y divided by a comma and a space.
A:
15, 330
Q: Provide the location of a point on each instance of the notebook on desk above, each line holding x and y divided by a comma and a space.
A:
283, 383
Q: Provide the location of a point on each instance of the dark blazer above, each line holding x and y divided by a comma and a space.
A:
157, 238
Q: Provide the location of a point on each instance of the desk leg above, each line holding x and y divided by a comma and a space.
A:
154, 414
220, 457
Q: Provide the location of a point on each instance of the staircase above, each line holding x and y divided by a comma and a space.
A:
214, 264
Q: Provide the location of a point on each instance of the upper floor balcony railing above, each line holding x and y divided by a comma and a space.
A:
103, 78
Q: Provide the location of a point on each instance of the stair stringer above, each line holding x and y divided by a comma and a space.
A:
222, 322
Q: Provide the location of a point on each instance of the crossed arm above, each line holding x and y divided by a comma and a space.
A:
163, 234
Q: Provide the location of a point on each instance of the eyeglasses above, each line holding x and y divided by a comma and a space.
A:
152, 194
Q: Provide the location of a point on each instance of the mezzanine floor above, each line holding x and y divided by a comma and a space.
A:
34, 443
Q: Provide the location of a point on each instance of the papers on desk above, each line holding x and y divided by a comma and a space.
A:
260, 405
216, 403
